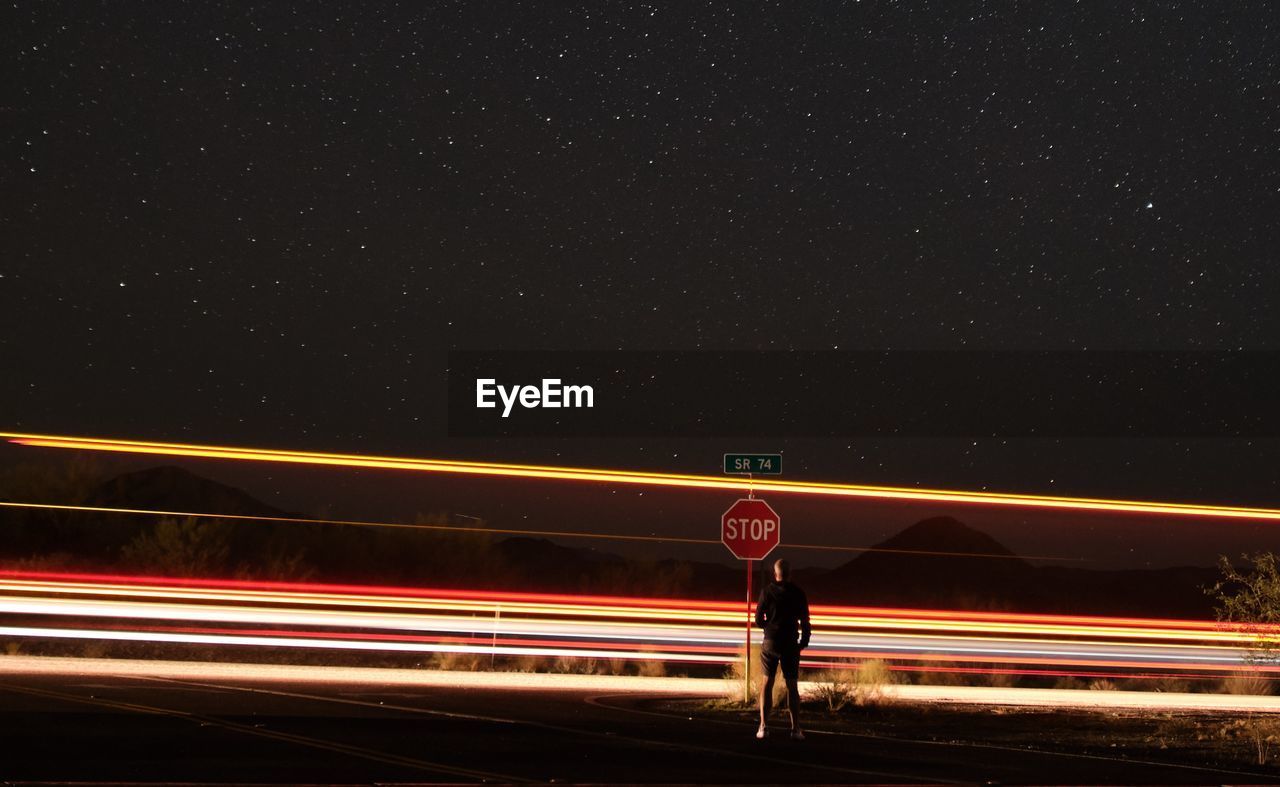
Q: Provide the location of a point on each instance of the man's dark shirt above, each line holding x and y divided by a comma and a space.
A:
783, 613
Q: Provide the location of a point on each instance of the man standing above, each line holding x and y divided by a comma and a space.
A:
783, 613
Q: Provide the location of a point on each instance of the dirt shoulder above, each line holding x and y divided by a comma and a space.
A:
1237, 741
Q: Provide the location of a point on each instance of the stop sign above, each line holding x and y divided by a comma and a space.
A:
750, 528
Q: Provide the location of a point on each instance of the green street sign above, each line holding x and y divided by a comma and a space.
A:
753, 464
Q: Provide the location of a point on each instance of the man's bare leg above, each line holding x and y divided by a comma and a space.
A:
793, 706
766, 703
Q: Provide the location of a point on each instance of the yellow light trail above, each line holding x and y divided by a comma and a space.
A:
642, 478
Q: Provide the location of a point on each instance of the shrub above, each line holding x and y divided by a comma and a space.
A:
189, 547
578, 665
871, 678
1167, 685
1245, 682
527, 664
1250, 601
1000, 680
835, 687
940, 675
465, 662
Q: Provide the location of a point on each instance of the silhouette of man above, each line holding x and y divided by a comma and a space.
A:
783, 613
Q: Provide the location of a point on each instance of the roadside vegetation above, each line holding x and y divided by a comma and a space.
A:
1248, 601
430, 549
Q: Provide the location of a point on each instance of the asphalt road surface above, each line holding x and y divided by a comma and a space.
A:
76, 728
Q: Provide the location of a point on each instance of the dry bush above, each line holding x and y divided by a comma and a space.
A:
1173, 685
278, 563
651, 668
464, 662
1163, 685
527, 664
189, 547
834, 687
1070, 682
602, 666
577, 665
50, 561
1102, 684
93, 649
567, 665
12, 648
1245, 682
871, 678
941, 675
945, 673
833, 692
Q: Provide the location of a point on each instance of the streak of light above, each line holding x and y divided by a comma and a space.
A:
247, 613
569, 606
643, 478
330, 644
301, 591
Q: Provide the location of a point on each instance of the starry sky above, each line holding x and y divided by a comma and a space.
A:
268, 224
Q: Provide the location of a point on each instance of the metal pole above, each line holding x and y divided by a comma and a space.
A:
497, 618
746, 673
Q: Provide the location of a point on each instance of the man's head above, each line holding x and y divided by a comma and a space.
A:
781, 570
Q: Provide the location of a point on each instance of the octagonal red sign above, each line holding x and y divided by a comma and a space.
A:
751, 529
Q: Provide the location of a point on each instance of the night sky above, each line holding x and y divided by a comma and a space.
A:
267, 225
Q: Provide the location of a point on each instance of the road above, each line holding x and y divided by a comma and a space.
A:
224, 723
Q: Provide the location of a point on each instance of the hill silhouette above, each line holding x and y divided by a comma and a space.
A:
171, 488
938, 562
977, 572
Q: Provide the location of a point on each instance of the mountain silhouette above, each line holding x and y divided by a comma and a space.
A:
942, 563
941, 534
938, 562
174, 489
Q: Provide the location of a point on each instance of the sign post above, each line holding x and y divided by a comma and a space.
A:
746, 654
751, 530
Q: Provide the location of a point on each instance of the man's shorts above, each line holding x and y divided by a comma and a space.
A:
789, 658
